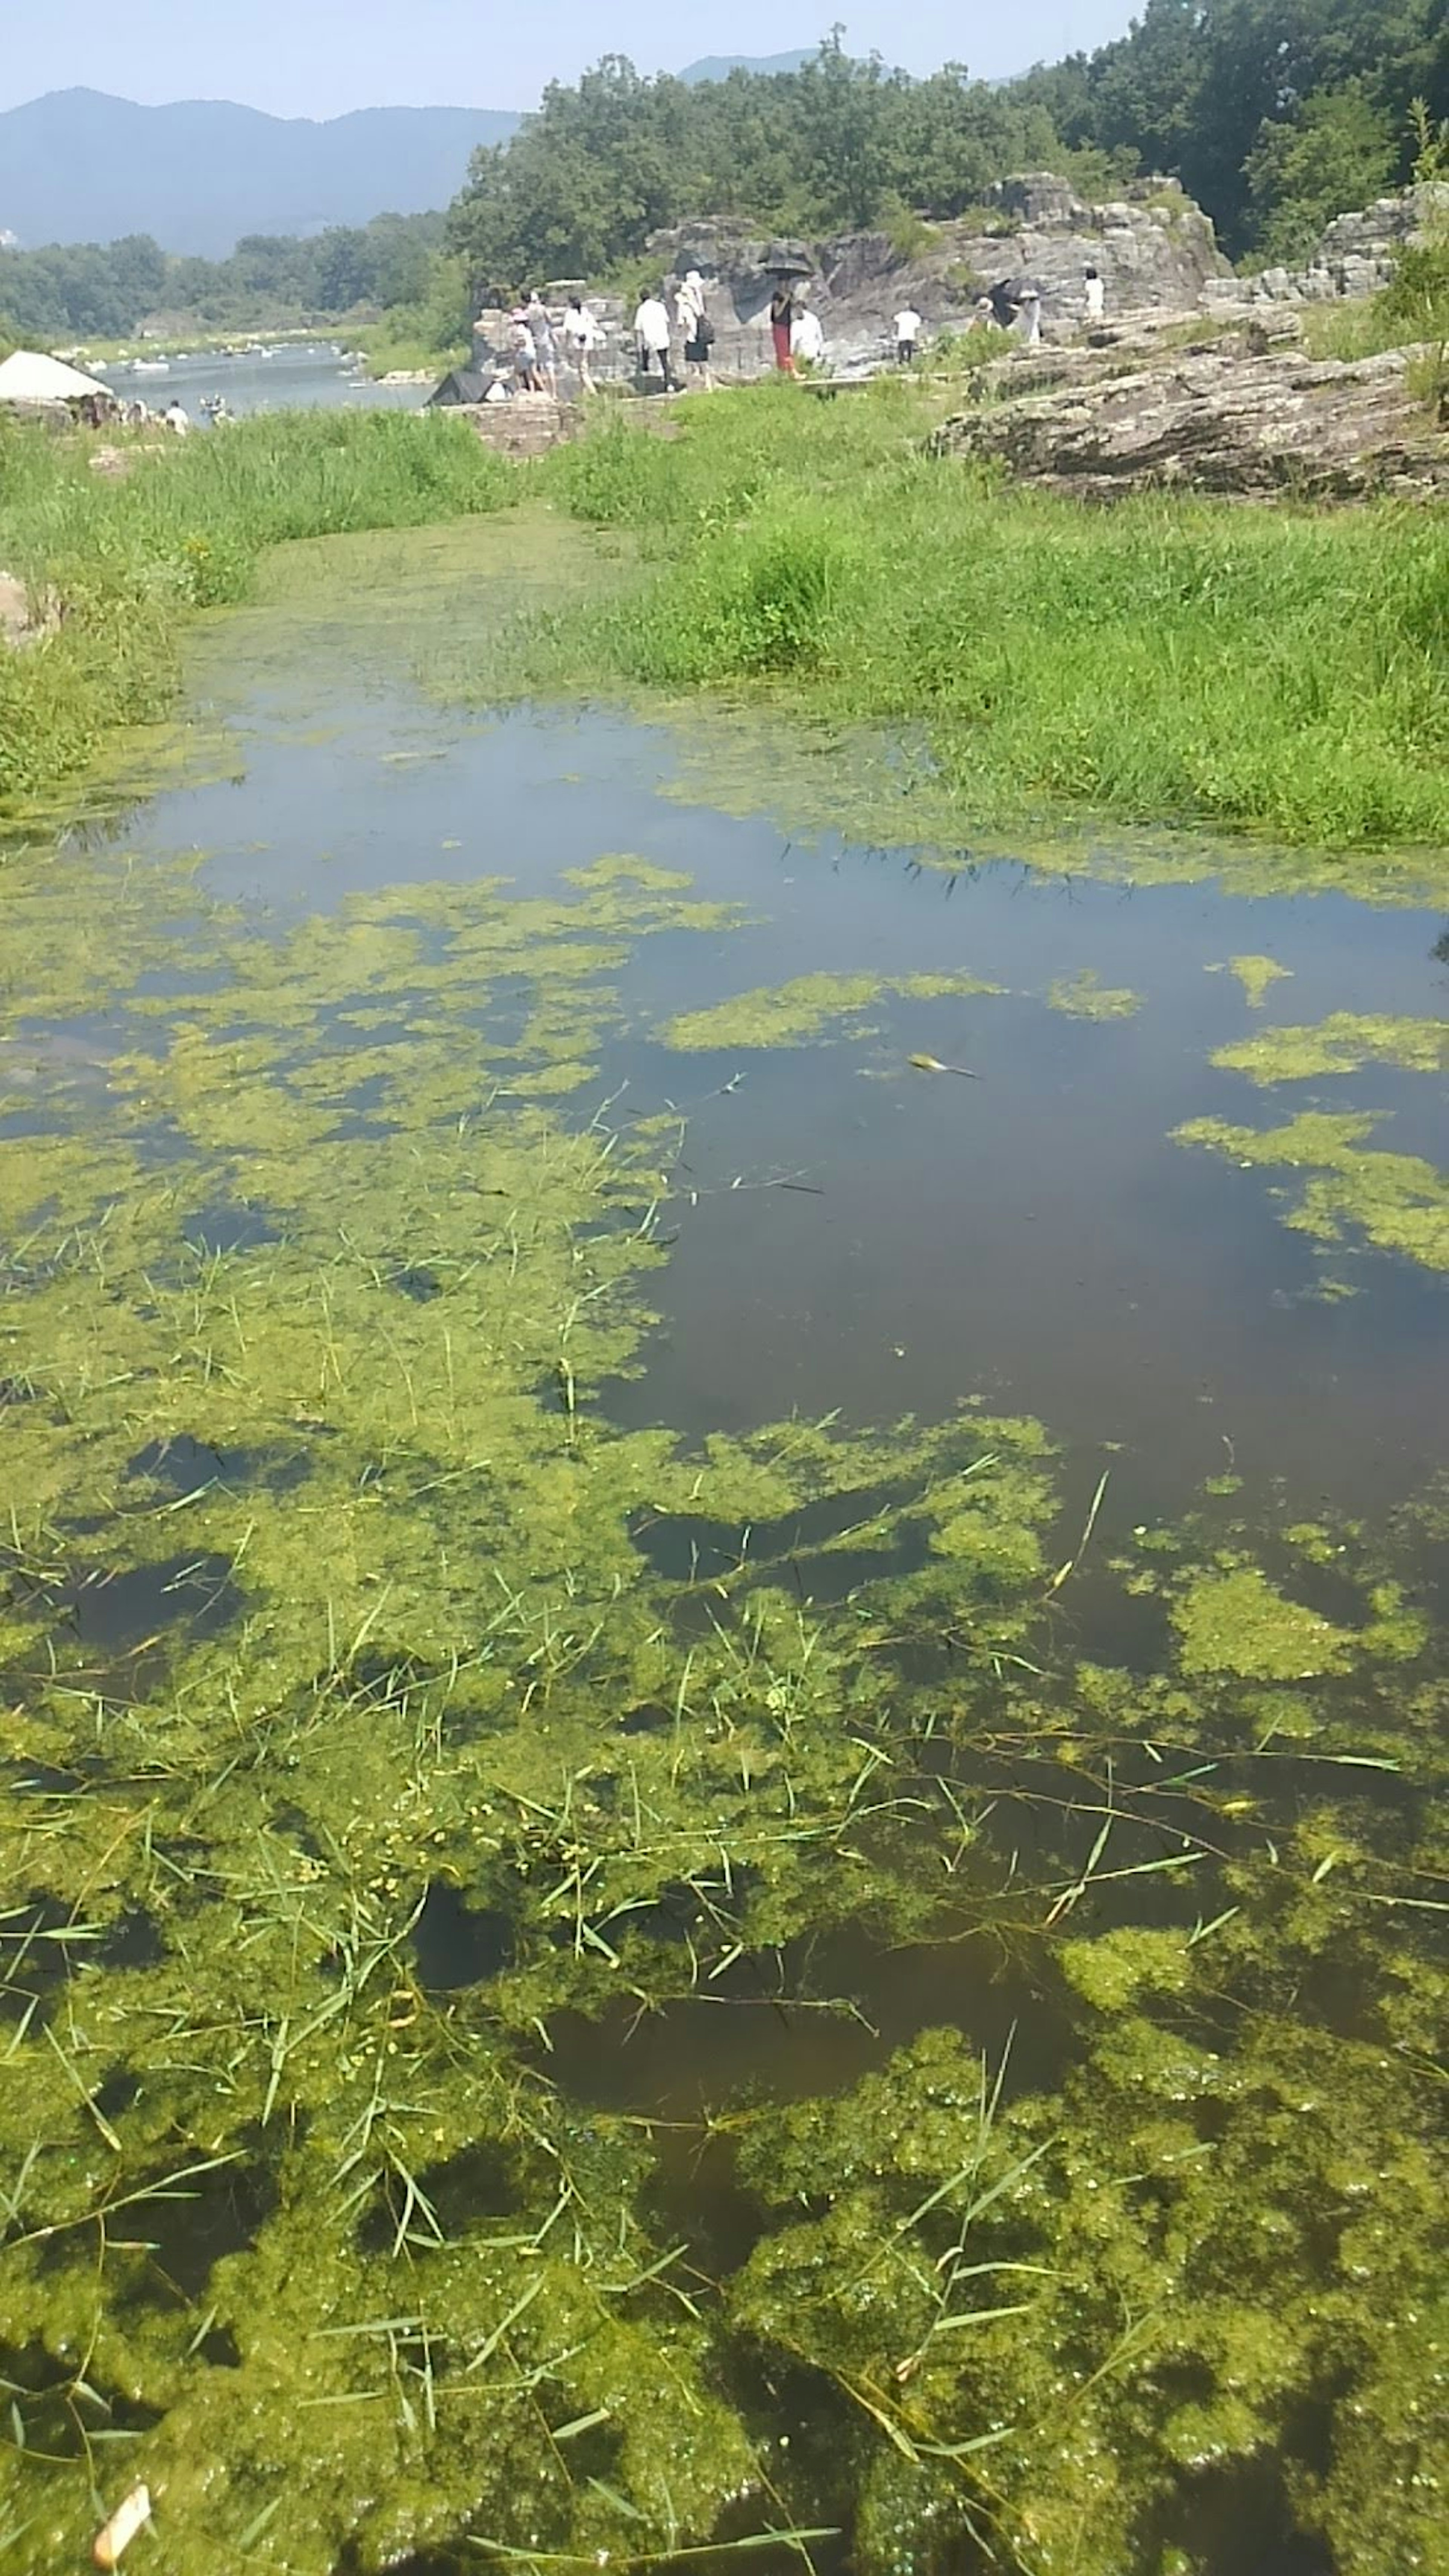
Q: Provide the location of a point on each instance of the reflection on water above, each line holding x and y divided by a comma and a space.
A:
853, 1234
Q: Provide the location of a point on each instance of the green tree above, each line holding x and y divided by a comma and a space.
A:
1339, 152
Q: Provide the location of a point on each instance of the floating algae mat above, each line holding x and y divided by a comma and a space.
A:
705, 1855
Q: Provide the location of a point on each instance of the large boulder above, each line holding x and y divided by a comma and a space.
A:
1219, 419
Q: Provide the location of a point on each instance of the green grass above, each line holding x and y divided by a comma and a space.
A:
1276, 670
128, 557
1359, 328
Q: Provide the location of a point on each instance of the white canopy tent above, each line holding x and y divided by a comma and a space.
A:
27, 377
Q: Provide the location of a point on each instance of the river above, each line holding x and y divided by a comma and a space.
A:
698, 1621
294, 376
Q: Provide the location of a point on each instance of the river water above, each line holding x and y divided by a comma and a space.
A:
294, 376
556, 930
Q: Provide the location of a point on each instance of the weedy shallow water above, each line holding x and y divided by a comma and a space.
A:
641, 1918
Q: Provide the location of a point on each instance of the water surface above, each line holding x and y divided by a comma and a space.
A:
664, 1671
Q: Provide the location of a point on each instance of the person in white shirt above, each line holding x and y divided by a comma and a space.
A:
581, 338
175, 417
909, 330
807, 335
651, 333
525, 357
1029, 317
696, 330
1096, 296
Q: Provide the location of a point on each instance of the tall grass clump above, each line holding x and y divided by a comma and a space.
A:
123, 557
1275, 669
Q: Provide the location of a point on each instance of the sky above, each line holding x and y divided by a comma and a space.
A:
322, 57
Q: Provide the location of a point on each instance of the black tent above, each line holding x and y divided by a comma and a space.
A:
463, 385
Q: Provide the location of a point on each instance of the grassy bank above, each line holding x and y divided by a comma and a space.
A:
1273, 670
128, 556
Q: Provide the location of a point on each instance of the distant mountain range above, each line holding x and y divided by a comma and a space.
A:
77, 166
719, 66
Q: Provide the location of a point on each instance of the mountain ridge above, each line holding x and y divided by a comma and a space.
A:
80, 165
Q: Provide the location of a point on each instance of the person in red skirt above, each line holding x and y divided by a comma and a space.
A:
782, 323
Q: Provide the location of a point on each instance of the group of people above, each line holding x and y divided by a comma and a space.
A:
796, 331
655, 334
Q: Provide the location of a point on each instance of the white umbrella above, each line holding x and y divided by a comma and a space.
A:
27, 377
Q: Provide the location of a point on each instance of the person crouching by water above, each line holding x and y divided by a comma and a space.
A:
909, 331
782, 324
651, 336
697, 330
807, 337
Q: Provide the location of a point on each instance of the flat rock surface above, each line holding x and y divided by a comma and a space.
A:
1216, 420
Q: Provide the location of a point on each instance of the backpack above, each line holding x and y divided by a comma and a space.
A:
704, 332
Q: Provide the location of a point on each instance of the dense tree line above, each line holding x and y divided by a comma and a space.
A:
83, 291
1275, 114
838, 145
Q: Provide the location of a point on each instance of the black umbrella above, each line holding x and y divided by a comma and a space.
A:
1007, 299
788, 259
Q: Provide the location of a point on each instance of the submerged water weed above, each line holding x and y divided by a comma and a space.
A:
1085, 997
1397, 1202
375, 1716
1342, 1043
789, 1014
1258, 975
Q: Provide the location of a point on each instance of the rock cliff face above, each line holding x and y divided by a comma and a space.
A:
1153, 248
1355, 257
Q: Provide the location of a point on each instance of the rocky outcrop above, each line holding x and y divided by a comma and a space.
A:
1218, 419
1153, 248
1356, 256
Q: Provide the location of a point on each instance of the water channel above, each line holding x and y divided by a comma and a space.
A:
686, 1480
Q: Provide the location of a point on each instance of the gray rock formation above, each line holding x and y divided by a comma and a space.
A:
1217, 419
1153, 248
1356, 256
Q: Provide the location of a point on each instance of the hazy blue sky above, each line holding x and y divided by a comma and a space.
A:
320, 57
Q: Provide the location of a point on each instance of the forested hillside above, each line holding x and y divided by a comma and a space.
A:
1275, 115
80, 291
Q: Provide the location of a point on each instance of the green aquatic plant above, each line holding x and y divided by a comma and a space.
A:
1180, 662
1085, 997
1397, 1202
1258, 975
1342, 1043
788, 1014
388, 1734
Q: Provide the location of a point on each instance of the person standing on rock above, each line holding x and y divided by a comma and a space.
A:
651, 337
525, 356
782, 324
536, 315
581, 338
696, 329
1096, 296
909, 330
